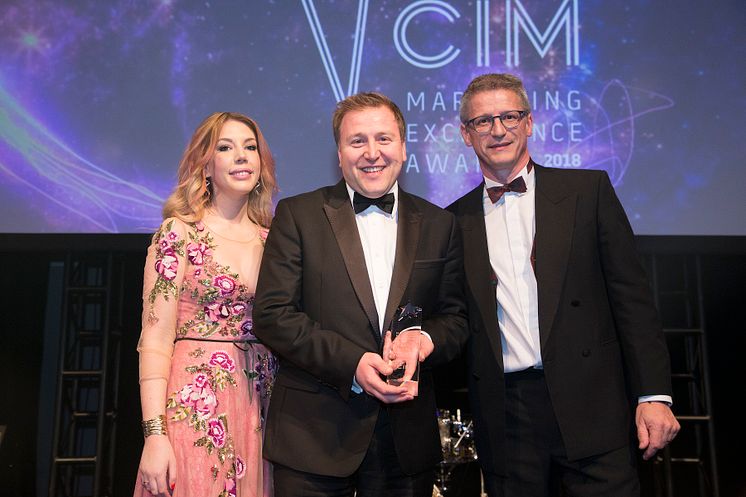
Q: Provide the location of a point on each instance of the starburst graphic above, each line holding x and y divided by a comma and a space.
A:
31, 43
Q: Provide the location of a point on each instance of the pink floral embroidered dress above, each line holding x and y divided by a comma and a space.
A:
197, 302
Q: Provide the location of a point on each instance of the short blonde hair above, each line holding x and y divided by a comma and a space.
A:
362, 101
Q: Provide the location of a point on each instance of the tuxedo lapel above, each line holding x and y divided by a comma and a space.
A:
341, 217
408, 229
477, 265
555, 216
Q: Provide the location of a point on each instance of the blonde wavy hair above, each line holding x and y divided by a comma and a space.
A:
192, 195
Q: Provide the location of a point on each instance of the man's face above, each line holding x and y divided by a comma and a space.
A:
371, 150
500, 151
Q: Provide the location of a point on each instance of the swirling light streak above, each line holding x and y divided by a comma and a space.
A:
76, 185
630, 118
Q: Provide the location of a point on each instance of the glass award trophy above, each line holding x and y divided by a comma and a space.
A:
404, 350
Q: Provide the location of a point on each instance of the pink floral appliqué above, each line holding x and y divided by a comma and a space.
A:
229, 489
216, 432
238, 308
222, 360
263, 234
199, 396
196, 252
217, 310
225, 283
240, 466
168, 265
201, 380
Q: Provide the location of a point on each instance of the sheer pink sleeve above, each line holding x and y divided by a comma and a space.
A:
164, 272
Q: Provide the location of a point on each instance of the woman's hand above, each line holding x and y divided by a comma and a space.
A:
158, 466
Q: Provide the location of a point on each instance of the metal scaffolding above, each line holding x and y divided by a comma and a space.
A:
85, 411
677, 285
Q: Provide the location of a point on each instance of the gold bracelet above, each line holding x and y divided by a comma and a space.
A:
155, 426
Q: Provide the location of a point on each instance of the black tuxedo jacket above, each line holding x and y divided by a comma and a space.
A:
601, 340
314, 307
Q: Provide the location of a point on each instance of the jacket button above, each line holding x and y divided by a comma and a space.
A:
575, 303
586, 352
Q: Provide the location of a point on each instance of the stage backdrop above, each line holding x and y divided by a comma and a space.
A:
98, 98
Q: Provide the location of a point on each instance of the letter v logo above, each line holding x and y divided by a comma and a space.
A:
326, 56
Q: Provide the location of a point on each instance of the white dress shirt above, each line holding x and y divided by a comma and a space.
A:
510, 224
377, 231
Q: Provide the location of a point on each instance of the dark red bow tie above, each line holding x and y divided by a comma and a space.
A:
496, 192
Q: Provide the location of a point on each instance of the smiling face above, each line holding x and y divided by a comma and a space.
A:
371, 150
235, 166
501, 152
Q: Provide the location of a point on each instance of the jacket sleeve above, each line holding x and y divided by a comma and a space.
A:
279, 317
635, 316
447, 325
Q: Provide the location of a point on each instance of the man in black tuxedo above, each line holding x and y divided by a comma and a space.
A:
337, 264
564, 331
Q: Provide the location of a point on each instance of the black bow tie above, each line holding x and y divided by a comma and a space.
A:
496, 192
361, 202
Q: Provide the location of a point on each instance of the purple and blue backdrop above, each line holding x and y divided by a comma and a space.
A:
98, 98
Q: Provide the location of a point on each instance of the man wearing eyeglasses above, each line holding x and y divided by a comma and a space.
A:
565, 339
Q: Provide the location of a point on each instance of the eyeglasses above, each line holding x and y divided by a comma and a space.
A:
509, 120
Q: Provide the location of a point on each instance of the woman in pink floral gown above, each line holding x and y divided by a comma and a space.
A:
205, 380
